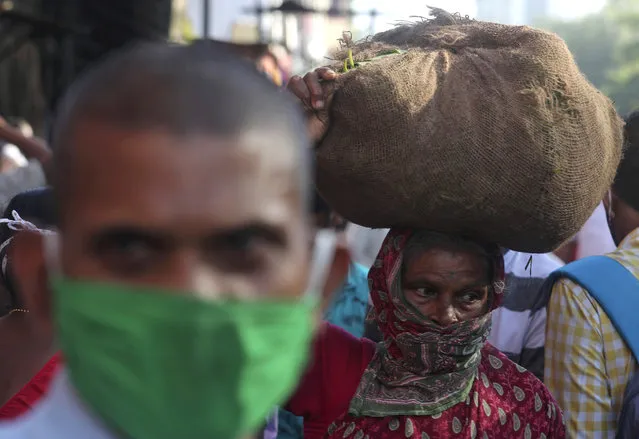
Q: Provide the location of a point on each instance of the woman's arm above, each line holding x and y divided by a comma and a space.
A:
31, 147
21, 179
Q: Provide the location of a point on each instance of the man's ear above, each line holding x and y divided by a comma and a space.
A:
29, 270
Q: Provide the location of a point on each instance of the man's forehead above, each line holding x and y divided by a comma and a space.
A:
251, 154
157, 173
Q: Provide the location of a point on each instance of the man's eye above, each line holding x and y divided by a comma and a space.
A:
128, 256
134, 249
242, 241
239, 252
249, 239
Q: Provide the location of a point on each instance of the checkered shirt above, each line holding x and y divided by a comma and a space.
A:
587, 363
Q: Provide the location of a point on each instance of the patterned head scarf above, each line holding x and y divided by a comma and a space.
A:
421, 368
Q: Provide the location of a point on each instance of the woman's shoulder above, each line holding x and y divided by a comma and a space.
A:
519, 395
522, 384
498, 367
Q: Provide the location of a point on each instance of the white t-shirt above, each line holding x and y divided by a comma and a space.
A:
60, 415
364, 243
519, 325
595, 239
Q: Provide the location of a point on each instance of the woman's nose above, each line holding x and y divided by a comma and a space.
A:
445, 315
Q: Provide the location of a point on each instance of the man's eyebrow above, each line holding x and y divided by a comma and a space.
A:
270, 232
127, 232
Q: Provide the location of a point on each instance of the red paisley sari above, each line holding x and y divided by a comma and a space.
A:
429, 382
423, 381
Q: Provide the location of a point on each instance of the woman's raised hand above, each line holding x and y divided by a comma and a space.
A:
315, 91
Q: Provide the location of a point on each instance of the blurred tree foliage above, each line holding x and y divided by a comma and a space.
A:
606, 47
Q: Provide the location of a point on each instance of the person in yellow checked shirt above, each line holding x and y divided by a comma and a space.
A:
589, 360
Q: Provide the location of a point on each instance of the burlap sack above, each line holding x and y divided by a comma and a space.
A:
477, 128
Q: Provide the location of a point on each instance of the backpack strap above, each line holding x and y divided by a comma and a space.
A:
615, 289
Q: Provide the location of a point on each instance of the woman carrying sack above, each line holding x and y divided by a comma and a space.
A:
434, 375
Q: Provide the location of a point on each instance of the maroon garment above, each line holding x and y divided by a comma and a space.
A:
324, 393
505, 402
326, 390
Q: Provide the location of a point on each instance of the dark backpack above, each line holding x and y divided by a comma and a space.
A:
617, 291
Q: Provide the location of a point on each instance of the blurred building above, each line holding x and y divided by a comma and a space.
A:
536, 10
513, 11
309, 37
533, 11
222, 15
499, 11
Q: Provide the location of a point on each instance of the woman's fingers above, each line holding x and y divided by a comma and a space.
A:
309, 89
326, 74
312, 80
297, 86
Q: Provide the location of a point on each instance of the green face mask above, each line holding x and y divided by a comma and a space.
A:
155, 365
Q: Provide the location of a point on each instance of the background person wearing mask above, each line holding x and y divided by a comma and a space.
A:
588, 363
348, 301
347, 296
175, 289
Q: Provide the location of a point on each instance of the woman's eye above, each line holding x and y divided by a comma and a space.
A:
423, 292
471, 297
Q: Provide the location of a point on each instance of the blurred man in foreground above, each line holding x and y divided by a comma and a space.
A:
176, 283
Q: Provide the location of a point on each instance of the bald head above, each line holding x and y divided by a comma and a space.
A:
183, 169
183, 91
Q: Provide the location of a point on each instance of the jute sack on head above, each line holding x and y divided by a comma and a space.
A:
474, 128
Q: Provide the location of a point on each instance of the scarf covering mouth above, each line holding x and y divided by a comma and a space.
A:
421, 368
